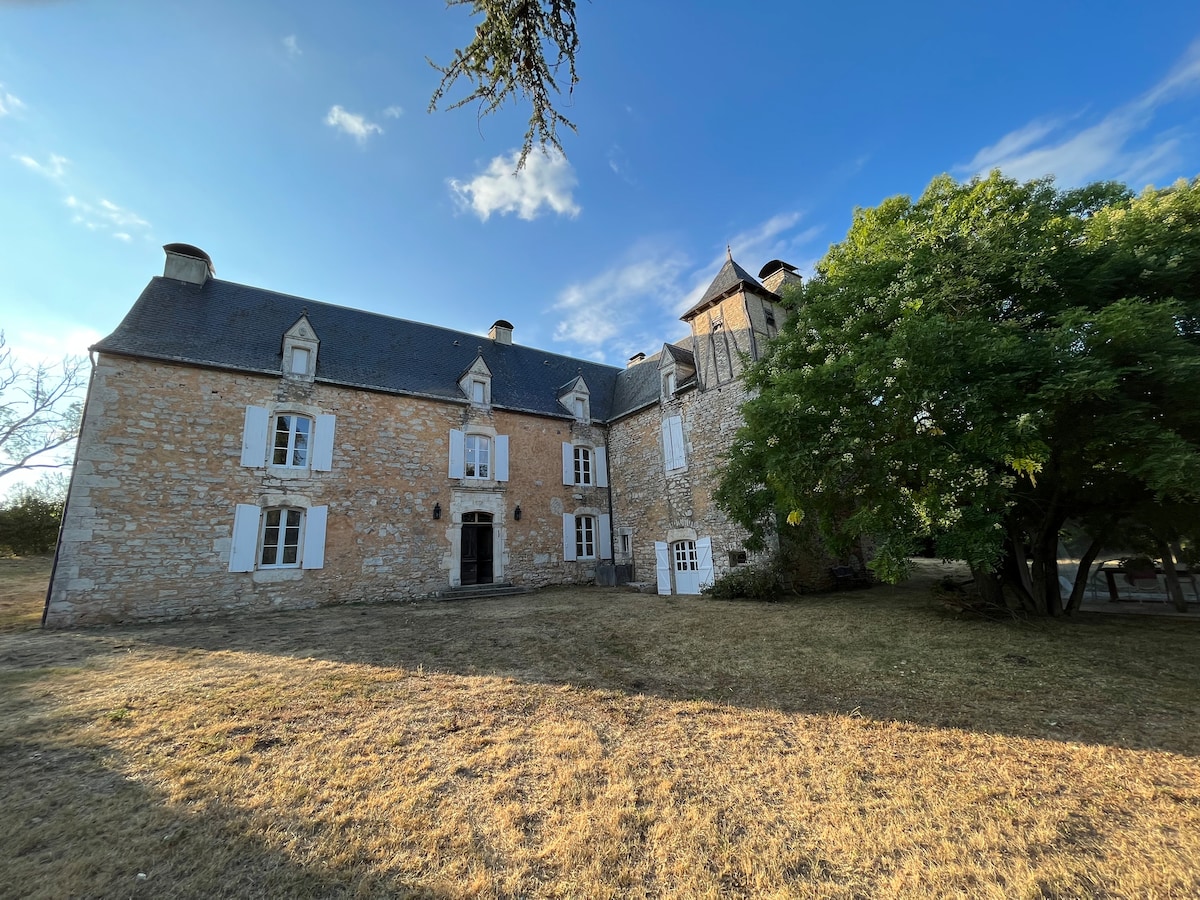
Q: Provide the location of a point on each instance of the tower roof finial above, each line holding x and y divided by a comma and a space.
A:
729, 252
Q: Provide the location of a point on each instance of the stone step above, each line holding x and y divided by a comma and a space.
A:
482, 590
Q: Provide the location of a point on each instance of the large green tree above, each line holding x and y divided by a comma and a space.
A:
979, 367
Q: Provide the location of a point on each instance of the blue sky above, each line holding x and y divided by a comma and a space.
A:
291, 142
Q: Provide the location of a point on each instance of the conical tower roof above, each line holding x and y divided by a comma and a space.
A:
729, 280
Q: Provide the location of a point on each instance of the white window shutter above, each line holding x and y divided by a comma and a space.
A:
678, 460
569, 537
245, 538
323, 443
313, 555
666, 444
254, 437
501, 463
457, 454
605, 537
601, 467
568, 453
662, 566
704, 561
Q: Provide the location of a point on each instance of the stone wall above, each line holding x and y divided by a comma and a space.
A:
149, 523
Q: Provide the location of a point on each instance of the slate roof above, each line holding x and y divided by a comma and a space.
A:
232, 326
637, 387
727, 281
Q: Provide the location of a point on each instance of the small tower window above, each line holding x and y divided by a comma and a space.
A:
300, 360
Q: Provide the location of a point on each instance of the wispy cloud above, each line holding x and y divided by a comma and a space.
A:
1119, 145
358, 127
105, 215
393, 112
9, 103
292, 46
634, 305
54, 168
546, 181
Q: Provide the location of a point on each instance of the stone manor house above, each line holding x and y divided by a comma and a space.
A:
248, 450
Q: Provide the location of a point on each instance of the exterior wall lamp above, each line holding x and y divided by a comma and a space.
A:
437, 510
517, 513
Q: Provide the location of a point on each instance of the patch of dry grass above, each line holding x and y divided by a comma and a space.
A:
23, 582
595, 743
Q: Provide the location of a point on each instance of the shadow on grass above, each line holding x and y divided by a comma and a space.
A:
72, 824
883, 654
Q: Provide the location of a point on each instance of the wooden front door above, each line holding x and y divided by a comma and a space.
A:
476, 560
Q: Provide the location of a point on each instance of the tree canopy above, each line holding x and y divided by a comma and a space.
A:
978, 368
516, 54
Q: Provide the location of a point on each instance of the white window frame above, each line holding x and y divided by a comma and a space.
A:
259, 436
282, 538
250, 537
295, 456
585, 537
477, 457
497, 455
584, 461
598, 468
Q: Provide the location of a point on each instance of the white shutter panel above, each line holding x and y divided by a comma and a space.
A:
458, 453
678, 460
501, 465
662, 565
254, 438
313, 555
568, 464
704, 561
606, 537
245, 538
666, 444
601, 467
568, 537
323, 443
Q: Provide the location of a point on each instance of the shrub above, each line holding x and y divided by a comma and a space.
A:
29, 518
763, 581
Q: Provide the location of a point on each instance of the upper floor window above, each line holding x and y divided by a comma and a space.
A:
583, 465
292, 437
477, 457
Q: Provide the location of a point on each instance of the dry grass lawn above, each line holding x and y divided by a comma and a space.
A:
595, 743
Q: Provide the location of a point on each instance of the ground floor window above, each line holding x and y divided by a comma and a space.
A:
281, 537
585, 537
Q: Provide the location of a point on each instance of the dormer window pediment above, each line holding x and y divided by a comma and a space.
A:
476, 383
576, 398
300, 345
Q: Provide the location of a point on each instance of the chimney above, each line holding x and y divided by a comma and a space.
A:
187, 263
635, 359
501, 332
777, 275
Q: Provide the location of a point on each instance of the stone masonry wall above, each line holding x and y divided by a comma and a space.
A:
148, 528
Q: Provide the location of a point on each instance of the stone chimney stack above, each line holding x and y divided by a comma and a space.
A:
501, 332
777, 275
635, 359
187, 263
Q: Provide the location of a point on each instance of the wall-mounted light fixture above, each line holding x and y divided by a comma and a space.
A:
517, 513
437, 510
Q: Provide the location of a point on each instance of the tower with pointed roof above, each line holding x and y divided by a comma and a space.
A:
731, 323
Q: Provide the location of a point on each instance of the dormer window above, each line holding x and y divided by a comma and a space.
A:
576, 399
669, 384
300, 350
476, 383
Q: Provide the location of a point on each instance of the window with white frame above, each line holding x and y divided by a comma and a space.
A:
300, 357
477, 456
585, 537
292, 436
583, 465
478, 391
280, 538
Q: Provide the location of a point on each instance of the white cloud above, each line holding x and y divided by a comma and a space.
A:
54, 168
358, 127
393, 112
105, 216
546, 180
8, 103
292, 46
1104, 149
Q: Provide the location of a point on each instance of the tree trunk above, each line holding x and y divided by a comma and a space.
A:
1085, 567
990, 587
1173, 589
1014, 572
1047, 593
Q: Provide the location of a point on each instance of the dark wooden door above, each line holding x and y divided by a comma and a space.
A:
476, 567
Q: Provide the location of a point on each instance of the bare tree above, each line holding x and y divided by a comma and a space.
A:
517, 51
40, 411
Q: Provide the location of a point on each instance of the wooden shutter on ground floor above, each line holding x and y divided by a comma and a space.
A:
605, 537
244, 546
313, 555
569, 537
662, 566
704, 561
